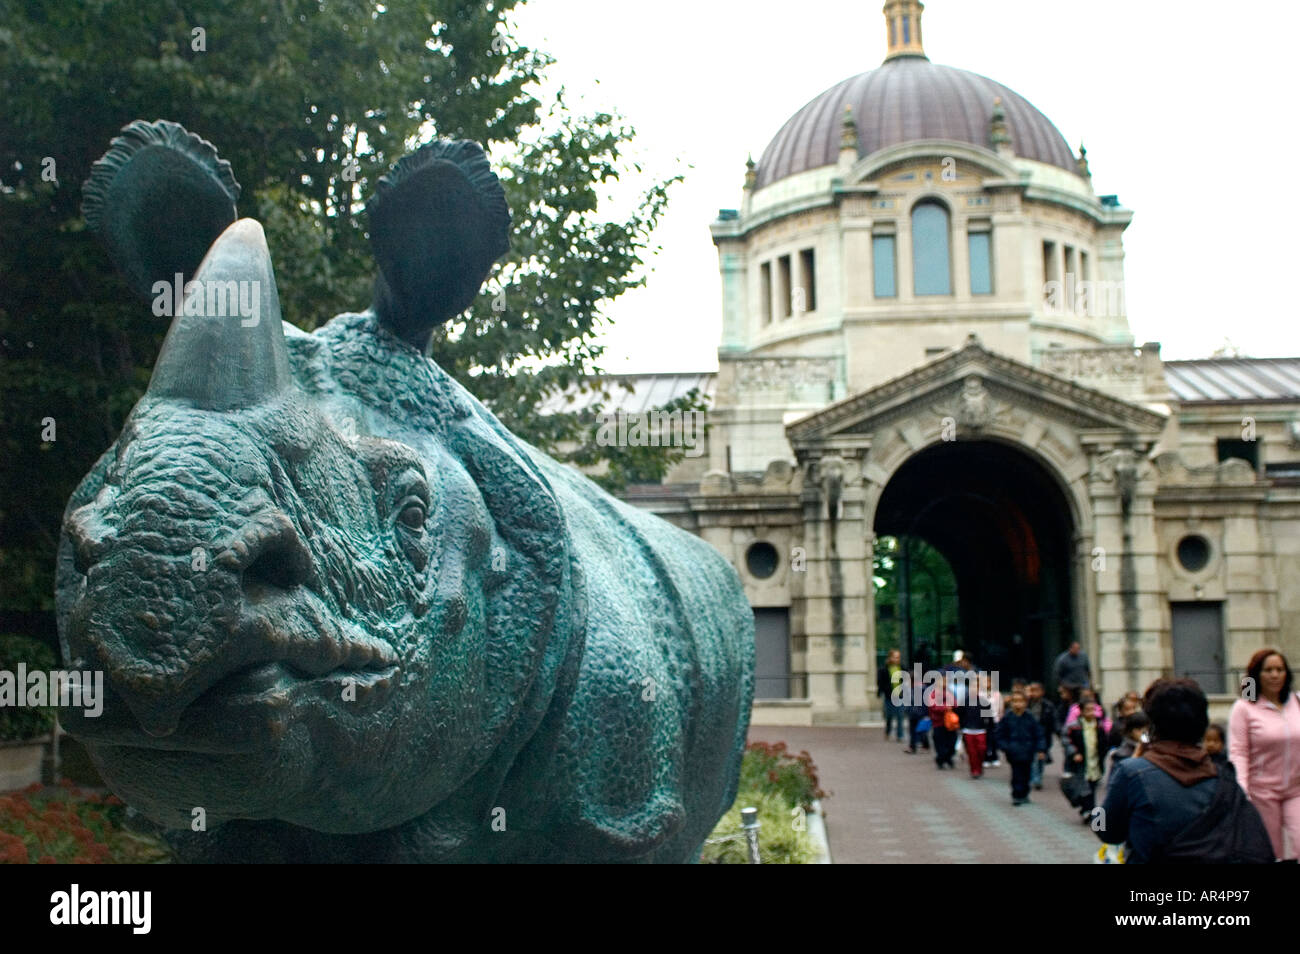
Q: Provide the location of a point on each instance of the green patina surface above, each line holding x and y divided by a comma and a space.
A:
341, 610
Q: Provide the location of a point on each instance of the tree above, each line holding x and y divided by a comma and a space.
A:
310, 101
915, 588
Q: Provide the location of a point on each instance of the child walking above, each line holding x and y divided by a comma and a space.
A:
1020, 736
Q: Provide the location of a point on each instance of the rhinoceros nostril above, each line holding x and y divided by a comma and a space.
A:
279, 566
269, 552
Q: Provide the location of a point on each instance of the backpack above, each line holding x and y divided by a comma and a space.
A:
1229, 831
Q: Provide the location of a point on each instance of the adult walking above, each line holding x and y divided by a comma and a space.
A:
1264, 747
1170, 801
1072, 667
1041, 708
888, 678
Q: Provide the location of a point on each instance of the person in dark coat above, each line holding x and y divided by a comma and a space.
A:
1169, 782
1216, 743
1072, 668
1126, 743
940, 701
1020, 737
1042, 709
1087, 743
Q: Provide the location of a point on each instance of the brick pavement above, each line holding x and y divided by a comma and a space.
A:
890, 807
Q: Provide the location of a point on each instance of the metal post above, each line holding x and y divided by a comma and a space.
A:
750, 823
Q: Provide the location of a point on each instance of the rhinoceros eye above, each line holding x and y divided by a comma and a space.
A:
413, 514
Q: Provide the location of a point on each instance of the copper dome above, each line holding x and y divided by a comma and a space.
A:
905, 99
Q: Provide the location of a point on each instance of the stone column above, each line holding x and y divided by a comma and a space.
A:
735, 306
832, 606
1131, 604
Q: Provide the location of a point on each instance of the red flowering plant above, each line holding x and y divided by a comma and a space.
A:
66, 825
770, 768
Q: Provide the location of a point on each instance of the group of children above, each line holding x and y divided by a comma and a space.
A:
1023, 733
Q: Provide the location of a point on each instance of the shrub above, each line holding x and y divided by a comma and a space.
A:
779, 785
779, 841
769, 769
69, 826
27, 722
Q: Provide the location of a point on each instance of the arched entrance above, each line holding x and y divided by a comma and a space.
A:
1002, 522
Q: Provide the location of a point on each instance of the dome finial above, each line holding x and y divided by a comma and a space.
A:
903, 23
1083, 163
999, 135
848, 129
751, 174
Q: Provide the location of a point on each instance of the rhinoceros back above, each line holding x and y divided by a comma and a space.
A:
656, 729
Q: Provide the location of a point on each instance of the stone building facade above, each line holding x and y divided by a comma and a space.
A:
925, 334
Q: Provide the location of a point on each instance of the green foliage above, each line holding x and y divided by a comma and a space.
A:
781, 786
779, 842
69, 826
933, 590
768, 768
310, 102
631, 464
26, 722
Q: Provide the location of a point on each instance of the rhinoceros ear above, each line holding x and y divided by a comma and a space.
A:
437, 223
158, 199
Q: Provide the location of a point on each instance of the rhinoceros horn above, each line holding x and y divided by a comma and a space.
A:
225, 348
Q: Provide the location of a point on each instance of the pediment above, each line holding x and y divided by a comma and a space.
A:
975, 387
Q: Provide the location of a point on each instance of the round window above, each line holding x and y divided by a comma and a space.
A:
1194, 553
761, 560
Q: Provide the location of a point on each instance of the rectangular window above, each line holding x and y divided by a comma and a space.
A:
765, 292
1084, 274
882, 255
1248, 451
807, 281
981, 265
934, 352
907, 30
783, 286
1050, 272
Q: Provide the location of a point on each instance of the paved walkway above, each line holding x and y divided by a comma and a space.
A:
890, 807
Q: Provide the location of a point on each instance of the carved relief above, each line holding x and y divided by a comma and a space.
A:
1104, 363
1124, 468
975, 409
764, 373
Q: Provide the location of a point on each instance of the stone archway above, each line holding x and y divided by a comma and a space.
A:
1005, 526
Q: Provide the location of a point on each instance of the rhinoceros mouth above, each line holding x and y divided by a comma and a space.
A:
287, 651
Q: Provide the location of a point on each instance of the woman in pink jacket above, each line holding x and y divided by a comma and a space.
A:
1264, 746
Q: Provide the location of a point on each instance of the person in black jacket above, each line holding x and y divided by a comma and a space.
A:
1163, 801
1087, 743
1020, 736
1041, 708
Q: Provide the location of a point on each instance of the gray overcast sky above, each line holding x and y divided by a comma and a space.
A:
1188, 110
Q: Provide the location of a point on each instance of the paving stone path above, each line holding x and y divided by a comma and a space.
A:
888, 807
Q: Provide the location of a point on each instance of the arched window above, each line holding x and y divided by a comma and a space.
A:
931, 270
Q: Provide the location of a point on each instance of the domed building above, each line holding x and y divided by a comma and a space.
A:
925, 338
